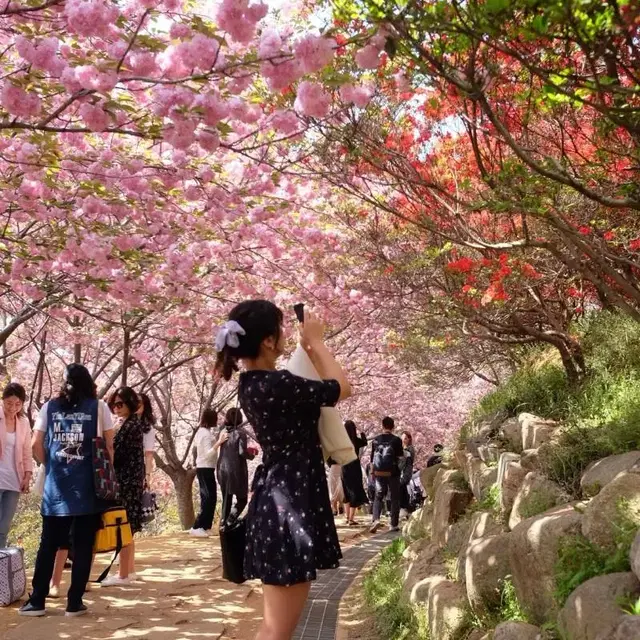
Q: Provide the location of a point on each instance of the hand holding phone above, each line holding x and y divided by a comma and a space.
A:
299, 311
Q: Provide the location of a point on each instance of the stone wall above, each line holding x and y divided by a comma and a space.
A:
493, 520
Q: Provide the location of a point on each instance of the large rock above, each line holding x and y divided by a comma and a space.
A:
530, 459
479, 634
512, 480
449, 503
428, 476
442, 476
516, 631
628, 628
533, 554
486, 567
447, 610
423, 560
456, 536
480, 477
603, 513
415, 528
511, 433
535, 431
506, 458
593, 609
536, 495
602, 472
634, 556
483, 524
489, 453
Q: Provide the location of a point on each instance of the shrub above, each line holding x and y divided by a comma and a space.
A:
580, 560
600, 415
395, 618
535, 503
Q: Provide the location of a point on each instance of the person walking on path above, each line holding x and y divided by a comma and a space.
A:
206, 451
129, 464
406, 473
352, 481
233, 472
290, 531
387, 454
16, 461
62, 441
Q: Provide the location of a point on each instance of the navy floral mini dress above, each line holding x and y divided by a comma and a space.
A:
290, 528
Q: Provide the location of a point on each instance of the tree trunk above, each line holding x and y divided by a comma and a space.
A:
125, 357
183, 482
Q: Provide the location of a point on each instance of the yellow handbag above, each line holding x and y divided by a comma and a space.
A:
114, 534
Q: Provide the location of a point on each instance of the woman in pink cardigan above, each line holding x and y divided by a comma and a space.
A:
16, 463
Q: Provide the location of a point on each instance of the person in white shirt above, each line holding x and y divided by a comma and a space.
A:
206, 449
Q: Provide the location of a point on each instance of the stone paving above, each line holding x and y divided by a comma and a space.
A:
320, 616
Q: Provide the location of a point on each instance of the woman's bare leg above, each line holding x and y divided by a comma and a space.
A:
125, 560
282, 609
58, 567
132, 560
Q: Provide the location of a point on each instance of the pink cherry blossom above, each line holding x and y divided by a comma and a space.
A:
90, 17
368, 57
286, 122
280, 75
312, 100
270, 43
209, 140
19, 102
94, 116
360, 95
314, 52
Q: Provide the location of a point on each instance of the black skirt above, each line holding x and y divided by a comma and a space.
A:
352, 484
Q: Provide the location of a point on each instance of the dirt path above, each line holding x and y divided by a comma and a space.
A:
183, 597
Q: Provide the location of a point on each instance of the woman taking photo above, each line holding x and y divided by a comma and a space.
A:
16, 464
62, 441
128, 461
290, 531
205, 451
352, 482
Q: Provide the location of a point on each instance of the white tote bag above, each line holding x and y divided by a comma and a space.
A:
333, 436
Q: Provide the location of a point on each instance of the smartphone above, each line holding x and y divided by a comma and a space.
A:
299, 311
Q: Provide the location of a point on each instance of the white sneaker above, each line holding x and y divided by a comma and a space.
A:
404, 514
116, 581
133, 577
198, 533
375, 526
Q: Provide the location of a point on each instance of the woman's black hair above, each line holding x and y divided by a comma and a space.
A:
15, 390
147, 408
128, 396
260, 320
350, 427
209, 419
78, 385
438, 448
148, 419
233, 418
408, 434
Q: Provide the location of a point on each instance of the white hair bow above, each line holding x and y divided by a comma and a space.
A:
228, 335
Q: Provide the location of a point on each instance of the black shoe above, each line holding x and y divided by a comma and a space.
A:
30, 610
74, 612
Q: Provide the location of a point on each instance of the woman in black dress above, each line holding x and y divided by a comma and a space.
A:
233, 473
290, 530
129, 465
352, 484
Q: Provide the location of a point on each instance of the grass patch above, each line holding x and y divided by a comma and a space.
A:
580, 560
395, 618
537, 502
600, 416
490, 501
509, 609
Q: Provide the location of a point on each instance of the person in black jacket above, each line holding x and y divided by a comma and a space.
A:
233, 474
352, 484
436, 458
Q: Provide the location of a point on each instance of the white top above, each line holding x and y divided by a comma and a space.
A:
149, 440
8, 473
104, 416
207, 456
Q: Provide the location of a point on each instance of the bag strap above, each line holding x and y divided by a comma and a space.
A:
105, 573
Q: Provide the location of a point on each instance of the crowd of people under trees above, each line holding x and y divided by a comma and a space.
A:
290, 508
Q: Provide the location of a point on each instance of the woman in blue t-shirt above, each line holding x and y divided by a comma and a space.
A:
62, 441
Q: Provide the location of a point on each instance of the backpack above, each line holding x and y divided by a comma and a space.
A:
384, 458
13, 579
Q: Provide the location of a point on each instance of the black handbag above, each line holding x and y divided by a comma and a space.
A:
232, 543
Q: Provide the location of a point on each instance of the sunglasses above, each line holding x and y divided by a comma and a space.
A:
117, 405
